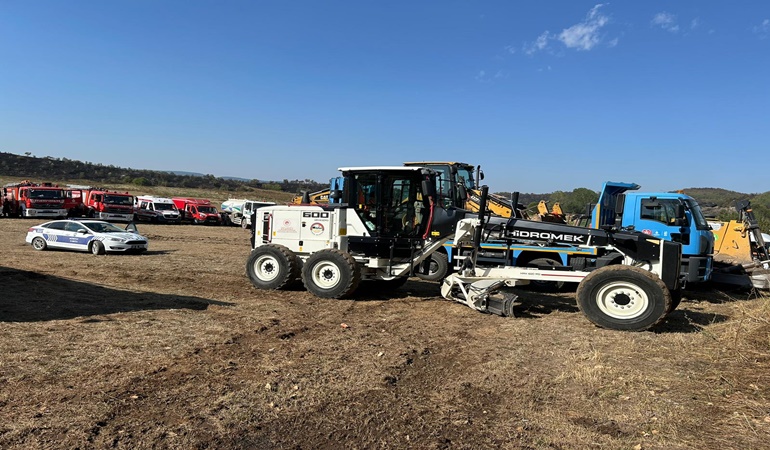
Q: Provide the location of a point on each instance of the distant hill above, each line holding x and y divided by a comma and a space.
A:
56, 169
198, 174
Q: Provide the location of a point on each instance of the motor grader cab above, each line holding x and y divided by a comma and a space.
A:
740, 251
381, 224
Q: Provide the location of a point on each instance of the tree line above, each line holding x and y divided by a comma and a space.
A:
48, 168
717, 203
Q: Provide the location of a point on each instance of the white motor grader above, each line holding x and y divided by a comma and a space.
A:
385, 221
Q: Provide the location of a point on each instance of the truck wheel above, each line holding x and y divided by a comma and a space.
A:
545, 286
97, 248
244, 225
331, 273
438, 268
39, 243
623, 297
272, 266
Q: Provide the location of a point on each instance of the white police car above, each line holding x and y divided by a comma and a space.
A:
93, 236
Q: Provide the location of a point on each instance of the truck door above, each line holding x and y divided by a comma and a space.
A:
665, 219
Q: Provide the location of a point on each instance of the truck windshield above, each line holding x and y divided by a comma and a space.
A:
51, 194
207, 209
697, 214
164, 207
119, 199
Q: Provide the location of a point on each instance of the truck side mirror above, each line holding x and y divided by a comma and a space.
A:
463, 192
428, 188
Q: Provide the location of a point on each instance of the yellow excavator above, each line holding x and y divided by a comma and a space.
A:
741, 251
459, 186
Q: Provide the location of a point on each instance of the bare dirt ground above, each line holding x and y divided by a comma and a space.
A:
176, 349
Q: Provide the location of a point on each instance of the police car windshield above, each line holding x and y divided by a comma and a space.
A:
103, 227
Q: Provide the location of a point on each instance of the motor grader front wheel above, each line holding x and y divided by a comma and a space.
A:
331, 273
623, 297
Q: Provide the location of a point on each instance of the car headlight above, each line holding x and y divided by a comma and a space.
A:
115, 239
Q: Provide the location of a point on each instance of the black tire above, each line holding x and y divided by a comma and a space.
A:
331, 273
623, 297
97, 248
272, 267
39, 243
545, 286
438, 268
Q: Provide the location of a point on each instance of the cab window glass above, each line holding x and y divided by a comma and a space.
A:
663, 211
72, 226
56, 225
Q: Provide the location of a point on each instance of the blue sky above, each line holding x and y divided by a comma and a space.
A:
547, 95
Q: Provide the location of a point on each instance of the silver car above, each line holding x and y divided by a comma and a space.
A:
95, 236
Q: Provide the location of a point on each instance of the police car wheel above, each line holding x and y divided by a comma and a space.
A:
97, 248
39, 243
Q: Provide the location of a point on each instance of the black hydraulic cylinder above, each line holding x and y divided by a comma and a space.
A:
482, 215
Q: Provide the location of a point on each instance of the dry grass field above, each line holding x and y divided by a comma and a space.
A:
176, 349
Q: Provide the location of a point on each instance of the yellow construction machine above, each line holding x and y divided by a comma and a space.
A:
741, 251
459, 186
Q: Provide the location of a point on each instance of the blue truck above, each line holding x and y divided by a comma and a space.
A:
663, 215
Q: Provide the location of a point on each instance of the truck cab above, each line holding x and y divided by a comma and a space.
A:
671, 216
197, 210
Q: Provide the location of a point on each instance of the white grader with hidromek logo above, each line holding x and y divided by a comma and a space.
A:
386, 221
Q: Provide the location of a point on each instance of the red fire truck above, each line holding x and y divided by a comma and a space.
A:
28, 199
197, 210
104, 204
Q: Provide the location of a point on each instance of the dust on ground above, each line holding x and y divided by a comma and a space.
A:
176, 349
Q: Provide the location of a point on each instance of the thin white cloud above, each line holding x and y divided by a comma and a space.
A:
540, 44
582, 36
763, 30
585, 35
694, 23
665, 20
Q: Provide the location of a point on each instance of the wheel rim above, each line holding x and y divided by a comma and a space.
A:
325, 275
95, 248
38, 244
622, 300
266, 268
